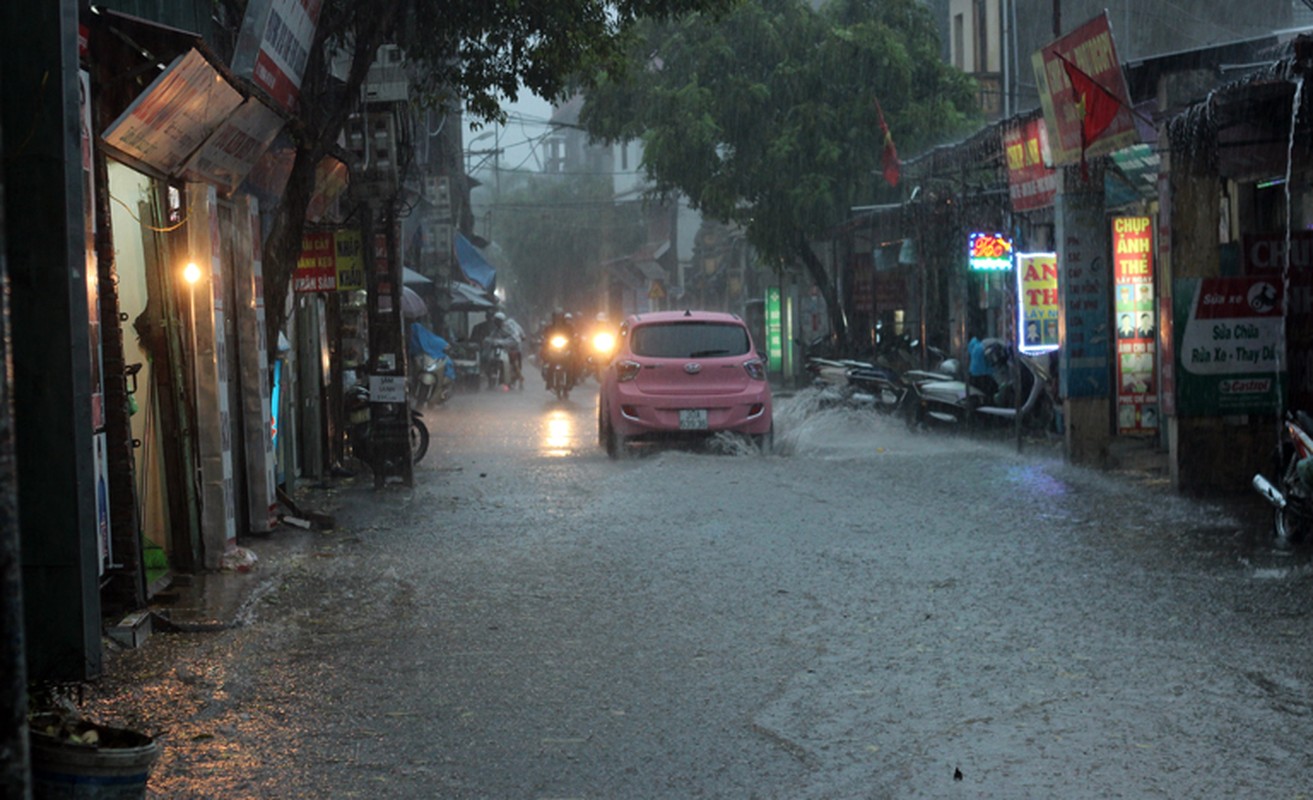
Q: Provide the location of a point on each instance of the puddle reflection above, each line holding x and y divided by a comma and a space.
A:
558, 434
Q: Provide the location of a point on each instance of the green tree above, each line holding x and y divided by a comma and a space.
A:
474, 51
556, 230
766, 117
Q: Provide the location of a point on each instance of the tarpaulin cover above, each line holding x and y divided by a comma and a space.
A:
473, 264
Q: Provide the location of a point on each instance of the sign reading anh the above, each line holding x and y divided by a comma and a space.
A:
1037, 302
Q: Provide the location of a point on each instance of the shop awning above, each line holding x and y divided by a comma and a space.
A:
474, 265
467, 297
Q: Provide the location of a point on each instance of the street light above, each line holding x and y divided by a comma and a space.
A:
191, 274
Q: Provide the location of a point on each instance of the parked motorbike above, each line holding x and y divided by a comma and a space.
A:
556, 366
1292, 495
429, 384
360, 433
882, 383
465, 358
956, 403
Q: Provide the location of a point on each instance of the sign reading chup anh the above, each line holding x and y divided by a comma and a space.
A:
990, 252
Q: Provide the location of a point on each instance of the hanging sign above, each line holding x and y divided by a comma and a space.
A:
1230, 349
316, 269
989, 252
1032, 184
1132, 266
1037, 302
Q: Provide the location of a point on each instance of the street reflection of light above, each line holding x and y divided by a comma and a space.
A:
558, 434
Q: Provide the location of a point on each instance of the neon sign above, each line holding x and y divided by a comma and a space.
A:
1037, 302
990, 252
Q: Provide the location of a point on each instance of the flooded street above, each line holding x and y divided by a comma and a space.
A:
865, 613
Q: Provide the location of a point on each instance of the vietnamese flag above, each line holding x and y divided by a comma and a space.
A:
889, 158
1098, 106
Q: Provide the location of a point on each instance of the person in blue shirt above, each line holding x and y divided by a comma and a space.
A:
979, 369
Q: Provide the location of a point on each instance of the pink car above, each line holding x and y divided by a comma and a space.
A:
681, 374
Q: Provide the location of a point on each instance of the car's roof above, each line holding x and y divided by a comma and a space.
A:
687, 315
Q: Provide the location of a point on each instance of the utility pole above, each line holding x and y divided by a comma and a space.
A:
1057, 18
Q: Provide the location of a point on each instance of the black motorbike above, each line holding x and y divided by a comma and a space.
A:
557, 372
360, 430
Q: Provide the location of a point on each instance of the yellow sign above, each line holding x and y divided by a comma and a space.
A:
350, 261
656, 291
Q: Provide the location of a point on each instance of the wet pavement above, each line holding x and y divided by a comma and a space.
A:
865, 613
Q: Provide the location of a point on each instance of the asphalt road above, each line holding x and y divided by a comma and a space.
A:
866, 613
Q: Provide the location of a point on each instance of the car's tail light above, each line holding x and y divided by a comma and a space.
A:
627, 370
755, 369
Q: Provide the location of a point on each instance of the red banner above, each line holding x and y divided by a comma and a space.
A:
1031, 183
1092, 50
316, 269
1132, 264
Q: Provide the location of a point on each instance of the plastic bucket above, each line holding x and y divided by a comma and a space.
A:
115, 770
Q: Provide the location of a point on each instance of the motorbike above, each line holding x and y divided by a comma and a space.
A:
887, 382
556, 366
601, 345
465, 358
497, 367
360, 433
941, 396
429, 384
1292, 495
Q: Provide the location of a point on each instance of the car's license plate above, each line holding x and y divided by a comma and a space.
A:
692, 419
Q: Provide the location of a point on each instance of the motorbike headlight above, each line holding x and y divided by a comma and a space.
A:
559, 342
428, 379
603, 343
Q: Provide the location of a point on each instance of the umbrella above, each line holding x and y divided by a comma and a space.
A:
410, 277
412, 305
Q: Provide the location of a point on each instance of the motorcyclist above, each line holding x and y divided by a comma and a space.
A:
562, 324
503, 333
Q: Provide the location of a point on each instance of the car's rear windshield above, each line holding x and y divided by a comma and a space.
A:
690, 340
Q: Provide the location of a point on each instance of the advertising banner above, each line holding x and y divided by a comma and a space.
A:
175, 115
1132, 265
235, 147
1037, 302
1092, 50
1031, 183
273, 46
316, 269
1229, 346
350, 260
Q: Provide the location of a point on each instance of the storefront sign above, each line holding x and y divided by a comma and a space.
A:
989, 252
273, 46
350, 261
774, 330
175, 115
1092, 50
1084, 290
1230, 347
1037, 302
1031, 182
1132, 264
233, 150
316, 269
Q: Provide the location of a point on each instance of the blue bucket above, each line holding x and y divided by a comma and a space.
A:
116, 769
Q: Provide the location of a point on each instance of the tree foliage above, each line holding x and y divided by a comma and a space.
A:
473, 51
766, 117
555, 231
